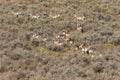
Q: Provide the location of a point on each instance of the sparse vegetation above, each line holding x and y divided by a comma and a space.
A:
40, 39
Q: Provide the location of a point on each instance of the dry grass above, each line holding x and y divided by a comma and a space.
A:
27, 49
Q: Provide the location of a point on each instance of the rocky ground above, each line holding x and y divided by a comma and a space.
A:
45, 40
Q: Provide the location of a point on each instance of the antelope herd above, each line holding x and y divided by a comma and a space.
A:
65, 34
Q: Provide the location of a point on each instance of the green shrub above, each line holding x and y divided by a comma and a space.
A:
98, 67
20, 20
75, 35
108, 45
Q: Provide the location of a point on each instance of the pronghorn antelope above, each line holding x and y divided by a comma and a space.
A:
70, 40
34, 16
79, 17
79, 28
86, 50
55, 16
35, 36
56, 36
66, 37
58, 43
16, 13
65, 34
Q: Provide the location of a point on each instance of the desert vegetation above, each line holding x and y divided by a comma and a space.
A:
59, 40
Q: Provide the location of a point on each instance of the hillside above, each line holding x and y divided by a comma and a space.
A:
59, 40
